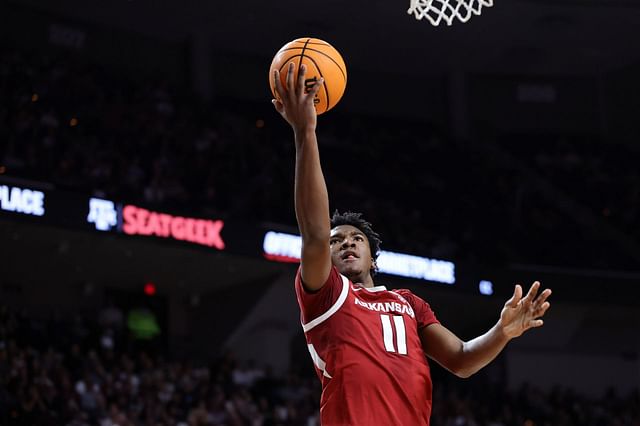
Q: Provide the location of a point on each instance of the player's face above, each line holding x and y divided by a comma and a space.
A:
350, 252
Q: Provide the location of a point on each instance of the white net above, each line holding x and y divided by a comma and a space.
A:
437, 11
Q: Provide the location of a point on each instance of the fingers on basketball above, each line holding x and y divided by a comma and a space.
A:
325, 74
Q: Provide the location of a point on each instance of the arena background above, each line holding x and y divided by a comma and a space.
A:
536, 100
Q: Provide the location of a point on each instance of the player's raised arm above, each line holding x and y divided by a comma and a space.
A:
311, 197
466, 358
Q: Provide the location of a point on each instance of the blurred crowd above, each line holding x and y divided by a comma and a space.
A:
56, 371
603, 177
59, 372
83, 127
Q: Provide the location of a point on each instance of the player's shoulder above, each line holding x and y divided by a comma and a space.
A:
403, 291
408, 294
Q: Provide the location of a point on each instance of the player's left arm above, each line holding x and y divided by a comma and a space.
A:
466, 358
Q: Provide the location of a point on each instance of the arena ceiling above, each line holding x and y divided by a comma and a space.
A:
513, 37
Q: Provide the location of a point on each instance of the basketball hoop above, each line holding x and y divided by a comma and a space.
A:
437, 11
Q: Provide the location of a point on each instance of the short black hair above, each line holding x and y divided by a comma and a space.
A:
356, 220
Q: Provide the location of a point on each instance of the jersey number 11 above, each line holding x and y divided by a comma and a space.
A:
390, 328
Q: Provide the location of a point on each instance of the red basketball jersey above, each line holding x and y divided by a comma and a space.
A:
365, 345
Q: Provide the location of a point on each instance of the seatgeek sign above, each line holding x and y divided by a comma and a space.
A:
282, 247
139, 221
105, 215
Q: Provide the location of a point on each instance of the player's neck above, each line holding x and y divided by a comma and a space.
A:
365, 281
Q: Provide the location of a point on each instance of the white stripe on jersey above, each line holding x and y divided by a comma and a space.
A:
371, 289
319, 362
332, 310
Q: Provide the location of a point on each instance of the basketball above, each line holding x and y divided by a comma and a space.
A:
321, 60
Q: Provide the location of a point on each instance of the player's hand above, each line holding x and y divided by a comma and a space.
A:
522, 313
293, 103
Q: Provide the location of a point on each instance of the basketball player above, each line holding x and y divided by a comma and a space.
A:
369, 343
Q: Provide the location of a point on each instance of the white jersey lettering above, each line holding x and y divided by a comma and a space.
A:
386, 307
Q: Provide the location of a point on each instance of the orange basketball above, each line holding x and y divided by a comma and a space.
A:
321, 60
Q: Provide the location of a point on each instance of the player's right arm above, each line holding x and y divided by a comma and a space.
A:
466, 358
311, 197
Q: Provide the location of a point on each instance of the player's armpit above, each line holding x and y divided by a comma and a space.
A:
315, 264
444, 347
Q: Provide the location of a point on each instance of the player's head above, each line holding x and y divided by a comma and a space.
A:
354, 245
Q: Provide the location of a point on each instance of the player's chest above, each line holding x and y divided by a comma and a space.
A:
372, 304
383, 316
